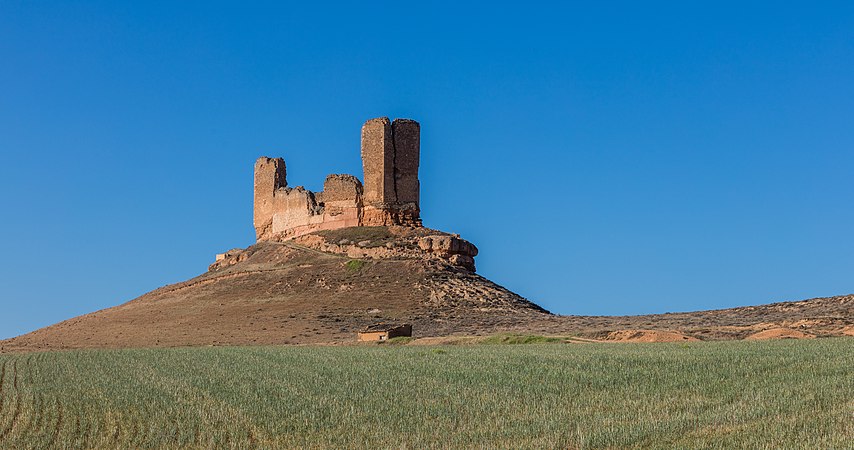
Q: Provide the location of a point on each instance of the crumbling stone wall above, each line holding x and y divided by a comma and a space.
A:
341, 201
390, 195
296, 210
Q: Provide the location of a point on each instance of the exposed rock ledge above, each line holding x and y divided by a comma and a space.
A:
379, 243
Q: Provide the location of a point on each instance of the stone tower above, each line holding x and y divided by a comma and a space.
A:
270, 176
390, 158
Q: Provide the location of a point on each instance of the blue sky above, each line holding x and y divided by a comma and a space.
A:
606, 157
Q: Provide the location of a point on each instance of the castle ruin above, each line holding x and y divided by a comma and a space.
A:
389, 195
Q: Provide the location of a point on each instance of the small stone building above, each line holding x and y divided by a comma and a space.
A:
382, 332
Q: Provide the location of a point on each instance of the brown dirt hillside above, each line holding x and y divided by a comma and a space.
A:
779, 333
286, 293
323, 288
820, 317
648, 336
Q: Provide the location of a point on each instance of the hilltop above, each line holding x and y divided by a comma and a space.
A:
323, 287
294, 292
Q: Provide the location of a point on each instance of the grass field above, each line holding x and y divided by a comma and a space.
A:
789, 394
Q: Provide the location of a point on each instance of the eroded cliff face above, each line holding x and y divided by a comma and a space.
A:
389, 197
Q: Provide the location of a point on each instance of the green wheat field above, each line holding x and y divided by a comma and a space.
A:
777, 394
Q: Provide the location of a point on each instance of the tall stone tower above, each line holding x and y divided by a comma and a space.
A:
270, 176
390, 158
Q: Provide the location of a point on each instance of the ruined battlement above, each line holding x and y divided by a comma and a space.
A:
389, 196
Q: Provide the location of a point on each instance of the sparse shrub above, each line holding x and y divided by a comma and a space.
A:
513, 339
354, 265
378, 236
400, 340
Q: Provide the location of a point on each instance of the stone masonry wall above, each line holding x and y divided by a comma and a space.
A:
390, 195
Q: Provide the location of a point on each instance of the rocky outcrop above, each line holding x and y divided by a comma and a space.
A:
459, 252
229, 258
393, 243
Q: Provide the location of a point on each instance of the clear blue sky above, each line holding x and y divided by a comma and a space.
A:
607, 158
